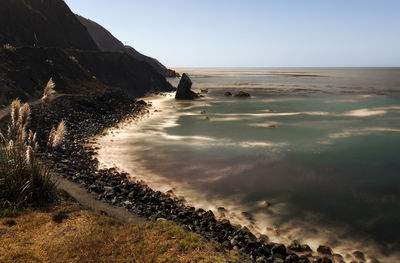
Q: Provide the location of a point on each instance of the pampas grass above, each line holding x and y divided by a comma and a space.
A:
15, 108
48, 93
56, 136
60, 134
23, 179
52, 135
24, 115
9, 47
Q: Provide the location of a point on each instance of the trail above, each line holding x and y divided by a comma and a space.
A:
87, 200
4, 112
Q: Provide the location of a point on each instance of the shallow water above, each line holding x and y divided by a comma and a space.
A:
312, 155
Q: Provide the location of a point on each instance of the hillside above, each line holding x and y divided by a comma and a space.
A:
47, 23
107, 42
49, 42
25, 71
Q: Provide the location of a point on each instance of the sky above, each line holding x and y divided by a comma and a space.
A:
254, 33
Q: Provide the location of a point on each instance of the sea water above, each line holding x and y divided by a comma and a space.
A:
313, 154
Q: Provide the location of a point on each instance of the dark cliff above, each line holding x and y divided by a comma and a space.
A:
65, 51
107, 42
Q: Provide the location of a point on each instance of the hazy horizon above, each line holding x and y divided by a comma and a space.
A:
254, 34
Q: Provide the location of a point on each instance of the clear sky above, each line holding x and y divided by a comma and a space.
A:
254, 33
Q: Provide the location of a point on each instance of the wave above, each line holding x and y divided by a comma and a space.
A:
360, 132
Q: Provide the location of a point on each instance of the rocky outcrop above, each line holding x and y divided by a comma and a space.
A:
47, 23
184, 91
242, 94
107, 42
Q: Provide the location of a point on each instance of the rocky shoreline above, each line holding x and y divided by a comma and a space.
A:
76, 161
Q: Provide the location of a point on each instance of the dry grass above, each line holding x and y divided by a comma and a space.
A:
87, 236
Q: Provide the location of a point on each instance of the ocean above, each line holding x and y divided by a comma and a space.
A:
312, 155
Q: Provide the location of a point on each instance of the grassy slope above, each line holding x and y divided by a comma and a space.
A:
88, 236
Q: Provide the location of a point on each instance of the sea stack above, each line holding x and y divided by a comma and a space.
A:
184, 92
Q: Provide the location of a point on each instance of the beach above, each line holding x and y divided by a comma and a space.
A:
239, 156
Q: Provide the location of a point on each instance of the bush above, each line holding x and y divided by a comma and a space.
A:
23, 179
9, 47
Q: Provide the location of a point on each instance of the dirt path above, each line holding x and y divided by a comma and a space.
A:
4, 112
87, 200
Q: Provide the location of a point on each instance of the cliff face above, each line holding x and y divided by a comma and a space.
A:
107, 42
25, 71
46, 23
63, 49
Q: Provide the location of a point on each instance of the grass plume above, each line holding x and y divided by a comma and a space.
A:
9, 47
23, 180
15, 108
48, 93
60, 134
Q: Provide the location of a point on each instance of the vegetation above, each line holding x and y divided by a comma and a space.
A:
23, 179
48, 93
9, 47
67, 233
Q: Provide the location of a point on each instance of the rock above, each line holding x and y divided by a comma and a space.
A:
184, 91
127, 203
337, 258
359, 255
221, 209
296, 246
278, 260
234, 241
141, 102
108, 189
325, 260
261, 260
204, 90
303, 260
263, 239
279, 249
292, 258
325, 250
242, 94
227, 94
160, 219
265, 204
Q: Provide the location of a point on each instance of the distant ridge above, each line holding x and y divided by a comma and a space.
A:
107, 42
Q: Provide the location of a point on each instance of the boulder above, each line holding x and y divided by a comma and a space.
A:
359, 255
184, 91
227, 94
279, 249
242, 94
296, 246
325, 250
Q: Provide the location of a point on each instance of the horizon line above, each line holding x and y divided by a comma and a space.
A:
289, 67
